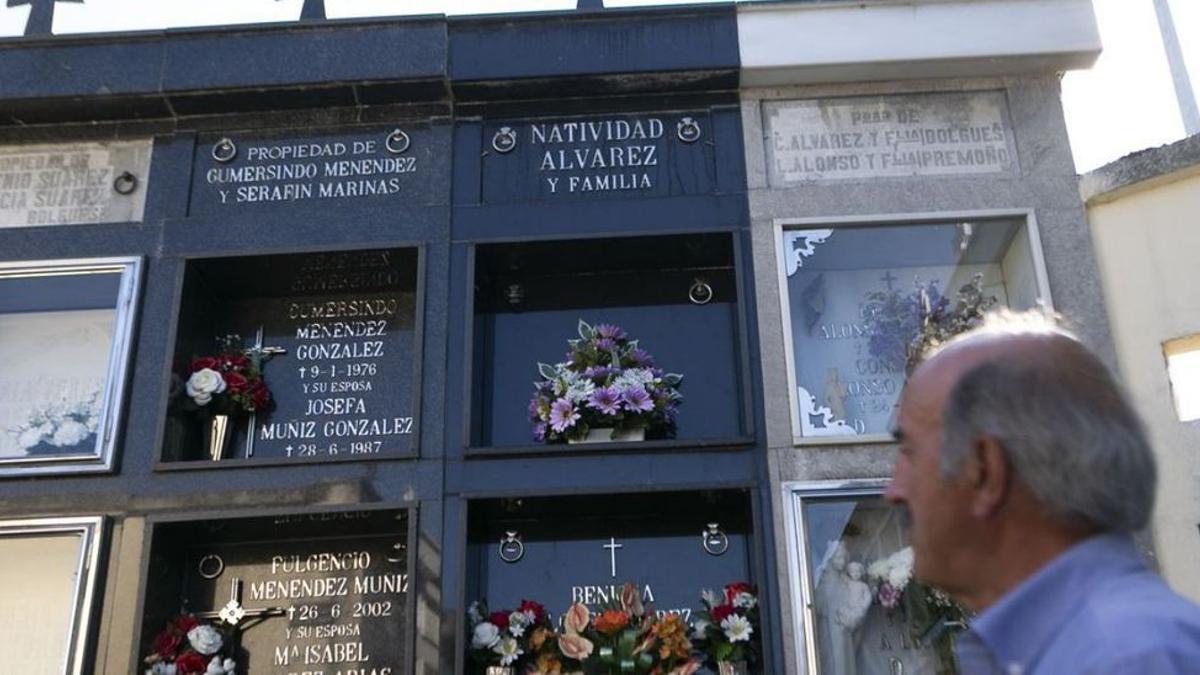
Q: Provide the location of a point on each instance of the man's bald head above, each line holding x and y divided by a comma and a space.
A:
1072, 439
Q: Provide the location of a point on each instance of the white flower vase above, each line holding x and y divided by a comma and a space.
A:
500, 670
610, 435
732, 668
219, 436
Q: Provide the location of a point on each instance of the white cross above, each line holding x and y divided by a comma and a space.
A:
612, 547
259, 354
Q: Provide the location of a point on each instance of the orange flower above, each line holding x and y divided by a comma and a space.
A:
547, 665
577, 618
611, 621
673, 632
575, 646
538, 637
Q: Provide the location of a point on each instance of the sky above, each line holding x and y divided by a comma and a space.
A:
1125, 103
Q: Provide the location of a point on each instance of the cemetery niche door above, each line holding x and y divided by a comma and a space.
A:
675, 298
557, 551
333, 337
325, 593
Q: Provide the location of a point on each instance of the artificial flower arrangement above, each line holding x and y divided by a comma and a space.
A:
607, 381
903, 327
507, 638
63, 424
726, 629
934, 617
625, 637
187, 646
228, 382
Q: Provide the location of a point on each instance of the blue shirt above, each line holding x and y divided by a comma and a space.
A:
1094, 610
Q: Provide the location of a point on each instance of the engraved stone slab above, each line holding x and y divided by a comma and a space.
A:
888, 136
73, 184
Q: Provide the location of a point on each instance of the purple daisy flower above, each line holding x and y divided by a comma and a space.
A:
606, 399
607, 330
637, 400
606, 344
539, 431
641, 358
562, 415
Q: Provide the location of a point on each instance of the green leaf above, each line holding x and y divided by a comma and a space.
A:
546, 370
723, 651
585, 331
673, 379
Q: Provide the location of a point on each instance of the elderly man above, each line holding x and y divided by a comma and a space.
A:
1025, 471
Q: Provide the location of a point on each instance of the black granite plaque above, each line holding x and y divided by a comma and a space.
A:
323, 593
378, 165
344, 384
643, 155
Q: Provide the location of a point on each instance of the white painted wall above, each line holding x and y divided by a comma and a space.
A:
1148, 245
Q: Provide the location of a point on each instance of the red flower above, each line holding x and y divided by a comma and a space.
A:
539, 612
721, 612
191, 663
499, 619
732, 590
166, 642
260, 396
236, 383
186, 622
205, 362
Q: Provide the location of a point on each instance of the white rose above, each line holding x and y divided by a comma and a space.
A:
205, 639
203, 384
219, 667
229, 665
487, 634
70, 433
744, 600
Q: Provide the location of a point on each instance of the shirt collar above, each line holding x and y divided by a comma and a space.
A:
1019, 626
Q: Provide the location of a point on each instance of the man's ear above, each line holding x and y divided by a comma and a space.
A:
990, 474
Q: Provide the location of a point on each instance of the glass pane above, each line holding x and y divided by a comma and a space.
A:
858, 297
38, 580
56, 336
871, 617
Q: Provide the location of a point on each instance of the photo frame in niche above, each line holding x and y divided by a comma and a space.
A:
48, 573
856, 607
678, 296
860, 297
66, 333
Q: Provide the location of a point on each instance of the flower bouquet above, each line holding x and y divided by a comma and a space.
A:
227, 382
902, 328
933, 616
506, 639
188, 647
726, 629
607, 382
60, 426
625, 637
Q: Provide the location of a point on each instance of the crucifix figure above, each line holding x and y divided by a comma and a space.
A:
612, 547
41, 15
233, 612
259, 355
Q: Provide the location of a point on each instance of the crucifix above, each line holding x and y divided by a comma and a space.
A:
233, 612
259, 355
612, 547
888, 278
41, 15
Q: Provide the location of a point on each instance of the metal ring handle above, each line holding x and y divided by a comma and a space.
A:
211, 558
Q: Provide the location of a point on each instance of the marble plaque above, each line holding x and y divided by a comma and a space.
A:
72, 184
826, 140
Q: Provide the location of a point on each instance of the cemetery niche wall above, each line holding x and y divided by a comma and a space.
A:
334, 339
677, 296
65, 337
287, 594
858, 298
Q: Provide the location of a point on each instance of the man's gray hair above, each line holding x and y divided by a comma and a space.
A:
1069, 433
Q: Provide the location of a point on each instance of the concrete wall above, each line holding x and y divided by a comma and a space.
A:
1044, 186
1148, 244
